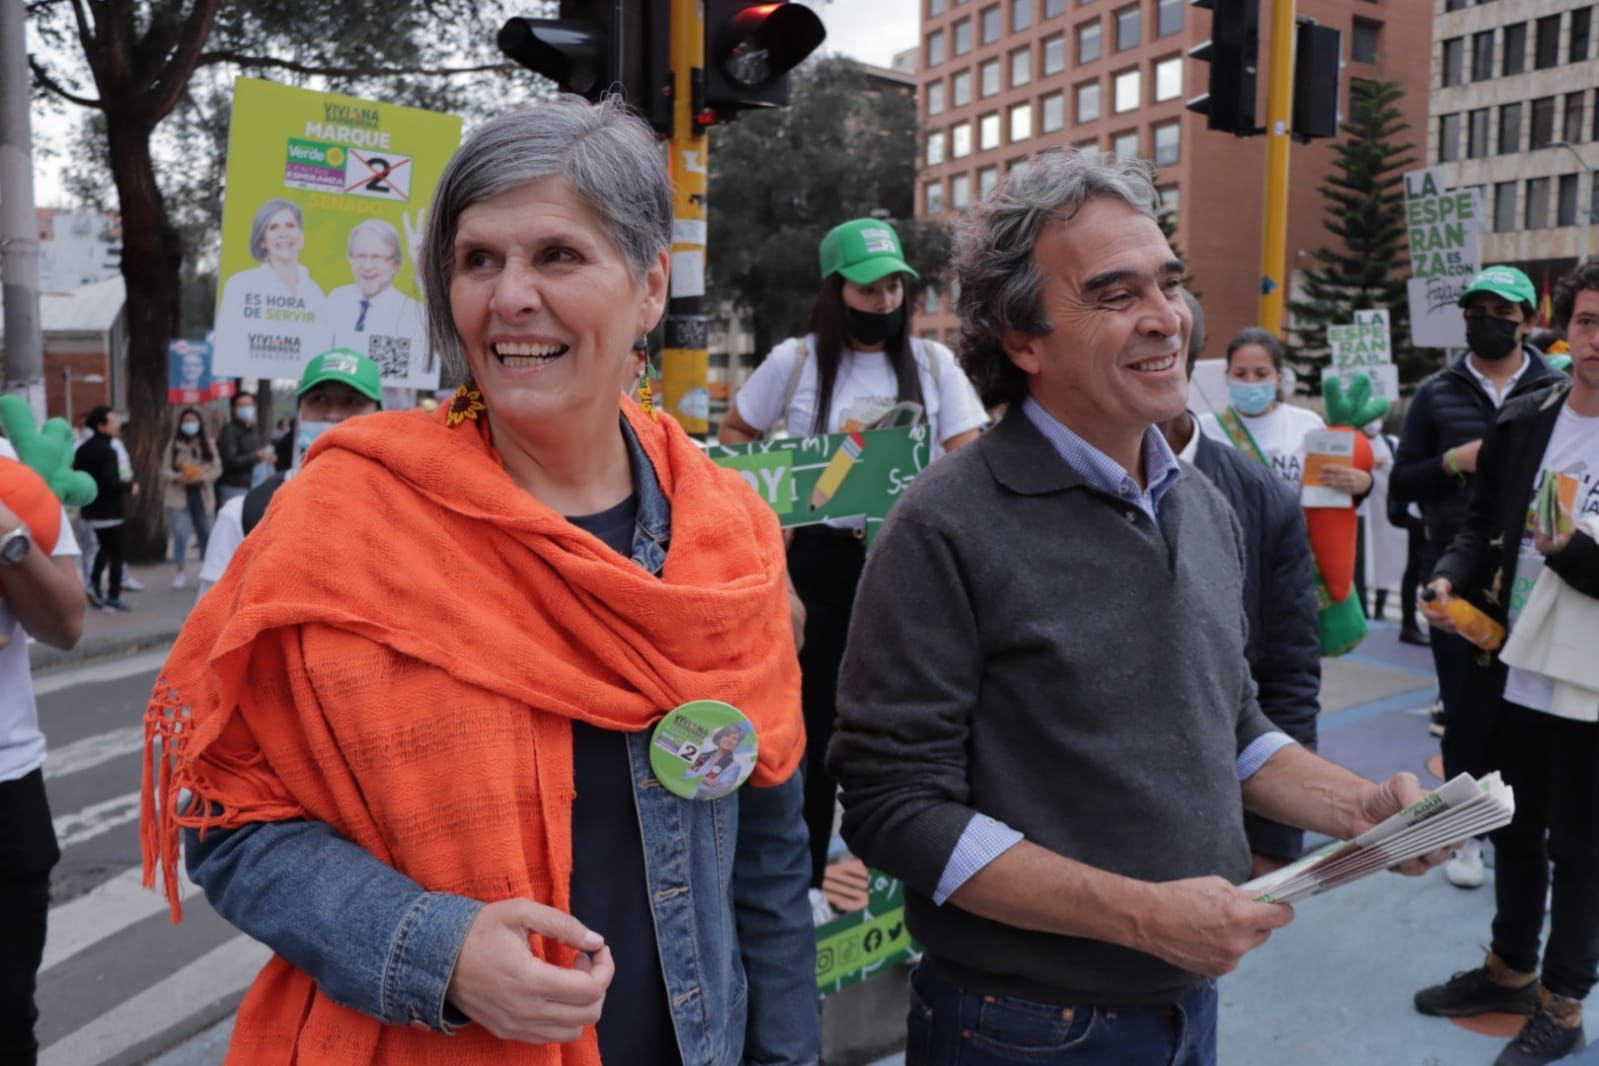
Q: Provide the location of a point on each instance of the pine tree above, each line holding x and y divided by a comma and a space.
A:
1367, 265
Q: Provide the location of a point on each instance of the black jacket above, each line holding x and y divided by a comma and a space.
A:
1449, 409
97, 458
1283, 649
236, 446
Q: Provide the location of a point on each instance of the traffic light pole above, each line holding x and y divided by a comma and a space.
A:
685, 363
1279, 120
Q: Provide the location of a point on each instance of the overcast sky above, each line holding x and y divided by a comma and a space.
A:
868, 30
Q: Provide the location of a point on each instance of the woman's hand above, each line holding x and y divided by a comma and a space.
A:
1350, 479
1436, 618
500, 984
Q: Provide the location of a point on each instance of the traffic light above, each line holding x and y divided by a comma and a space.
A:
600, 46
1233, 53
1316, 69
749, 49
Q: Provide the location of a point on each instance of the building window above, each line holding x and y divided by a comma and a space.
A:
1510, 129
1537, 213
1168, 147
1021, 67
1454, 61
960, 89
935, 98
935, 148
1543, 122
1448, 138
1594, 134
993, 25
1546, 47
987, 181
1168, 17
1021, 122
1124, 145
1054, 8
963, 37
1477, 140
960, 140
1169, 78
1088, 102
1455, 5
935, 48
1021, 15
1514, 60
960, 192
933, 198
1129, 94
988, 78
1573, 131
1504, 206
988, 132
1482, 55
1581, 28
1566, 201
1089, 42
1055, 54
1363, 41
1168, 202
935, 8
1129, 28
1052, 113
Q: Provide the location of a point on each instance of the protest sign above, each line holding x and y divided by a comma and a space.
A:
189, 378
807, 480
1366, 347
325, 208
1445, 231
857, 945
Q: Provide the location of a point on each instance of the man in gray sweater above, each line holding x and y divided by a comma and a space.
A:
1045, 712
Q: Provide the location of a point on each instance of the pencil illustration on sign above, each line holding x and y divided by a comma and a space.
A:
838, 469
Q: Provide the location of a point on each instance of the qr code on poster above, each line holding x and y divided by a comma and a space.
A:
391, 354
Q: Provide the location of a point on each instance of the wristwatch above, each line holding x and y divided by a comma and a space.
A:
14, 546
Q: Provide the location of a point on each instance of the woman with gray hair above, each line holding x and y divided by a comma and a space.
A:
455, 804
274, 310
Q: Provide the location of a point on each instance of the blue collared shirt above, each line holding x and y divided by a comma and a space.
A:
986, 839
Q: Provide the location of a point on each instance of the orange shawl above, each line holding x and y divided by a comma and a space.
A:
398, 651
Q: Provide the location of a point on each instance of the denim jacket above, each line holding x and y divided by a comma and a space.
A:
727, 878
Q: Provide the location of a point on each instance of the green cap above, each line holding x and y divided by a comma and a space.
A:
347, 367
864, 251
1504, 281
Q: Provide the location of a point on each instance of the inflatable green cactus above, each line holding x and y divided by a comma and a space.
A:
47, 450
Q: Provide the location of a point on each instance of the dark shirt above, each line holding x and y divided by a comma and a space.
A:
609, 893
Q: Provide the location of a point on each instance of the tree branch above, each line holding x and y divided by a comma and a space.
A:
173, 79
250, 62
56, 87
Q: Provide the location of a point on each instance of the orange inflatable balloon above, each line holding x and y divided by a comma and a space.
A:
30, 499
1333, 531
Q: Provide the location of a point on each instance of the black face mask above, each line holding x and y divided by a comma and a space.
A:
873, 329
1491, 338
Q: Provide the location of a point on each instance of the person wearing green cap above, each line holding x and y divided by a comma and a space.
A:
1436, 466
857, 362
334, 386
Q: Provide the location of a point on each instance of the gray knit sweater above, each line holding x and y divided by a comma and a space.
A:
1029, 648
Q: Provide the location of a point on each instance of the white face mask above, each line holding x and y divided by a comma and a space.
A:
189, 429
305, 437
245, 415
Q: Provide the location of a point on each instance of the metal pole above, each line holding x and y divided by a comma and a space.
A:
1279, 119
19, 228
685, 363
66, 378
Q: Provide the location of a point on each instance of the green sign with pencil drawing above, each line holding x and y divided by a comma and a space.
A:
807, 480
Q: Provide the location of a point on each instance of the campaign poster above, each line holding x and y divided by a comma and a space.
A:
1445, 229
189, 377
323, 220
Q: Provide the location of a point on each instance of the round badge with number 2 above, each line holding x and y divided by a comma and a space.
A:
703, 750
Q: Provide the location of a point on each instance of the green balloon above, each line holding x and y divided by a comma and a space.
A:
47, 450
1353, 408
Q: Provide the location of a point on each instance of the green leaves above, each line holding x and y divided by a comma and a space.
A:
48, 451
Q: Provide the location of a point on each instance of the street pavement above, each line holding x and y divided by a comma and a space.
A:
121, 985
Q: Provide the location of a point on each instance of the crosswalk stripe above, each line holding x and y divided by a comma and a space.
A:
71, 677
90, 752
221, 972
103, 912
95, 819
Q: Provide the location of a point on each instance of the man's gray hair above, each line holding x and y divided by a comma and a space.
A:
1001, 287
263, 215
607, 155
381, 229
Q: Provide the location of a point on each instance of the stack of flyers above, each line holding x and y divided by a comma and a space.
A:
1324, 448
1462, 809
1555, 502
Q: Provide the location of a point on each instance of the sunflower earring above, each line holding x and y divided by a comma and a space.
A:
646, 396
465, 405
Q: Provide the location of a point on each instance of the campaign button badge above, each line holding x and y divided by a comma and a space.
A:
703, 750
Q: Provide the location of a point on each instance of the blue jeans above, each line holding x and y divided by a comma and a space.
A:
190, 519
950, 1027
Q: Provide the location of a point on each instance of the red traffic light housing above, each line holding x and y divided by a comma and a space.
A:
750, 48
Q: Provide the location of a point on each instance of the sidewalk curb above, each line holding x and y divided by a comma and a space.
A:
42, 657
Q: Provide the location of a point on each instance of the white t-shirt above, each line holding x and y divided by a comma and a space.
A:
227, 533
1573, 452
864, 390
21, 742
1280, 433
